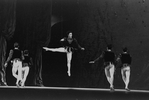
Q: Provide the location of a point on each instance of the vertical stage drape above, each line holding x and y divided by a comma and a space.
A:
7, 28
33, 30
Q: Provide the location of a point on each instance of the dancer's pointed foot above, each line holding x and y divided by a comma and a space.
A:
69, 73
45, 48
111, 88
4, 84
17, 85
22, 84
127, 89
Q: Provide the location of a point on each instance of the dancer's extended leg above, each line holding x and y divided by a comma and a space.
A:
19, 76
112, 68
14, 69
126, 75
69, 57
61, 49
109, 71
25, 74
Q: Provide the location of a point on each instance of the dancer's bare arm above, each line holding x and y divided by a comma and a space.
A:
94, 60
9, 58
22, 55
97, 58
118, 58
78, 46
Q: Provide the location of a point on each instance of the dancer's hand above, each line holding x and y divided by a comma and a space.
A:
82, 48
92, 62
5, 65
62, 40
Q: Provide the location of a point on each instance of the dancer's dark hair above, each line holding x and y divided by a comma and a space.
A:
16, 45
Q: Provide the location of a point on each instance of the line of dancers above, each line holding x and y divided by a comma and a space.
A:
109, 65
21, 62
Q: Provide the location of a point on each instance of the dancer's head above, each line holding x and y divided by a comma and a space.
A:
125, 49
109, 46
26, 52
69, 34
16, 45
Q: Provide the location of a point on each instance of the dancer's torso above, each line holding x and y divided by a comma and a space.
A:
109, 57
70, 44
26, 61
125, 58
17, 54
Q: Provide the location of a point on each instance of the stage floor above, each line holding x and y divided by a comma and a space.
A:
66, 93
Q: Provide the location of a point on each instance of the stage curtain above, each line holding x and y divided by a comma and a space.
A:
7, 28
33, 31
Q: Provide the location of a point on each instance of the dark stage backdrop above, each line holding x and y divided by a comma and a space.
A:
33, 30
95, 23
7, 28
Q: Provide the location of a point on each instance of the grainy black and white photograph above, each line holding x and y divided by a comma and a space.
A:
74, 49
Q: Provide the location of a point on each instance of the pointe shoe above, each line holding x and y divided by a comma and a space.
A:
22, 84
69, 74
17, 85
45, 48
127, 89
4, 84
112, 88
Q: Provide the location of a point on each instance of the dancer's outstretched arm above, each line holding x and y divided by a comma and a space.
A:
97, 58
78, 46
94, 60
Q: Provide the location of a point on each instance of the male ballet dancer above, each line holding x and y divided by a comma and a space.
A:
69, 45
16, 57
125, 69
109, 59
27, 62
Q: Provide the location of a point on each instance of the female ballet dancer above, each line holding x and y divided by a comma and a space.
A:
27, 62
125, 69
69, 45
16, 56
109, 58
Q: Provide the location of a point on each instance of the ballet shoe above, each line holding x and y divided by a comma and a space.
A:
127, 89
69, 74
112, 89
22, 84
45, 48
4, 84
17, 85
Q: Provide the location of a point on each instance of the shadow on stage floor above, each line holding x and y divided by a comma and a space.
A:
58, 93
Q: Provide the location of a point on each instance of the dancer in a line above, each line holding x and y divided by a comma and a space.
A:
125, 69
69, 45
27, 62
109, 59
16, 56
